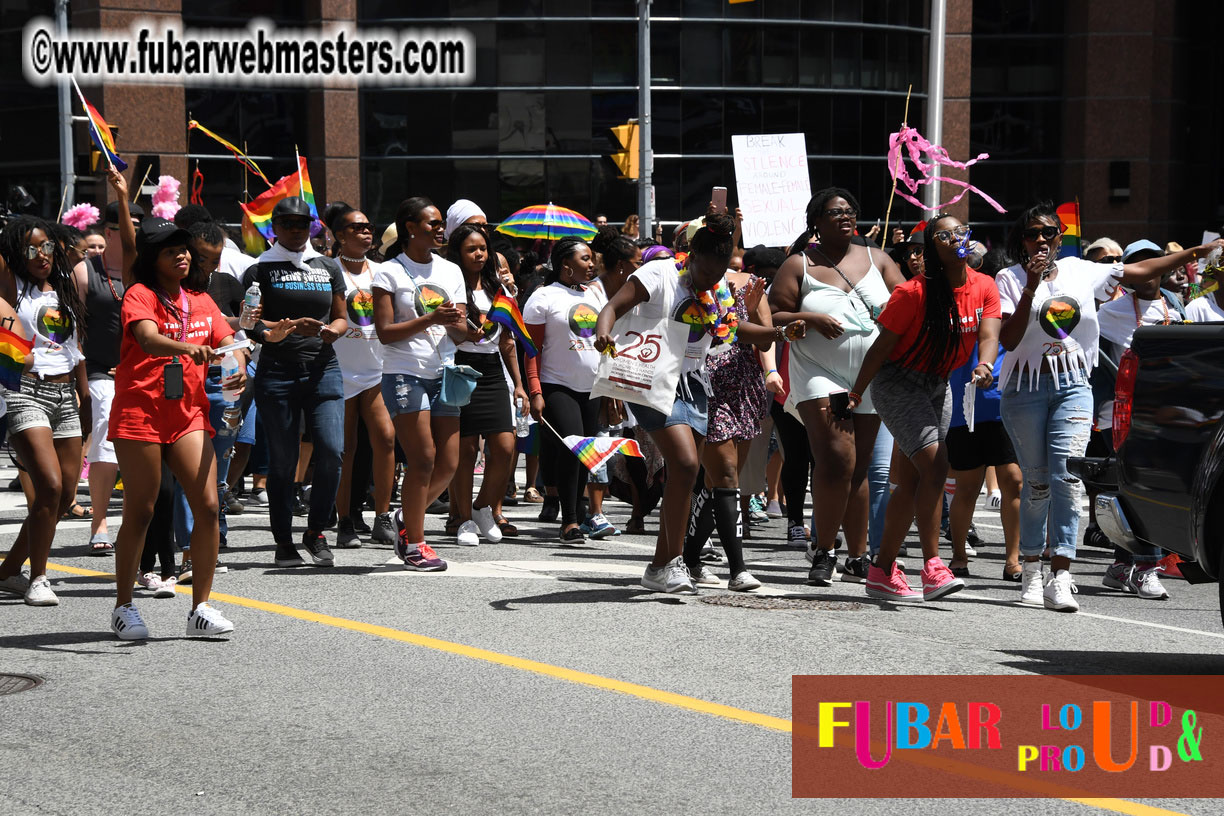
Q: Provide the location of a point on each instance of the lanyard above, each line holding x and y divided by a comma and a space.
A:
1139, 318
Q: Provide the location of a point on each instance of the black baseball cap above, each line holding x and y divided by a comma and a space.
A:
761, 256
112, 212
291, 207
161, 232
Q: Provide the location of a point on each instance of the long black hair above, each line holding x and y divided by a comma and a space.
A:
940, 333
409, 210
561, 250
331, 218
815, 209
489, 281
1015, 237
13, 242
144, 270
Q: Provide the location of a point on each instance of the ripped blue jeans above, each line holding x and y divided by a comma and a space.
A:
1048, 424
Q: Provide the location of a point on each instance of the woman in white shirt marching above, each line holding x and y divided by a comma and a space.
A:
419, 315
1051, 334
361, 359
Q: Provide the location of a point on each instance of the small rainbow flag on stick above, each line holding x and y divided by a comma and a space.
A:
242, 158
593, 450
13, 351
259, 209
1072, 246
506, 312
99, 131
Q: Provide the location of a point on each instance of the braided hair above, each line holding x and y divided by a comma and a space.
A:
613, 246
940, 333
563, 249
815, 209
13, 242
331, 218
489, 280
1015, 237
715, 238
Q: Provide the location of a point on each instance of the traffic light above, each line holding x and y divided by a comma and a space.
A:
628, 159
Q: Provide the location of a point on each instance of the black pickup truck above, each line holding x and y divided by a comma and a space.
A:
1162, 485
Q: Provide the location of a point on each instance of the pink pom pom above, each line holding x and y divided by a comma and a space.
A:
167, 190
82, 216
166, 209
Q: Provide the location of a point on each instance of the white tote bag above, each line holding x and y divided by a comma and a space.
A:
650, 350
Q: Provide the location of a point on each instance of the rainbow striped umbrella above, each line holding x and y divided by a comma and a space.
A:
547, 221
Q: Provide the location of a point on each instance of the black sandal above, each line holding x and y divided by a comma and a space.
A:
507, 529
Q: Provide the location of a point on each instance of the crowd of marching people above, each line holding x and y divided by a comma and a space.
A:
854, 390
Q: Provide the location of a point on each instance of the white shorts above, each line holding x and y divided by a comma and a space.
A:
359, 385
101, 394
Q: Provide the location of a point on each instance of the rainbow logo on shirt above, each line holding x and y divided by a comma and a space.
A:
361, 308
53, 324
429, 298
1059, 316
692, 313
582, 320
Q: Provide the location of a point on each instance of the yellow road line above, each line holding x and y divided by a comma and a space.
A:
570, 675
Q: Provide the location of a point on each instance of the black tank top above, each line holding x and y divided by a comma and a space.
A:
103, 302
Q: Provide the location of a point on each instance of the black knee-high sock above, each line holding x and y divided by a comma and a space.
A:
701, 525
726, 503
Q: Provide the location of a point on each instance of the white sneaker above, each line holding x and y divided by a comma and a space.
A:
127, 624
743, 582
40, 594
487, 524
1060, 590
672, 577
1030, 584
166, 590
706, 577
995, 501
1147, 584
204, 621
18, 583
150, 581
969, 551
468, 535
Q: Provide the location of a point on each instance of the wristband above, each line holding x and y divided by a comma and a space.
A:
772, 371
857, 396
989, 367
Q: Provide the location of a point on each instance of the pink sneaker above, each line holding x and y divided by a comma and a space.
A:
938, 580
892, 587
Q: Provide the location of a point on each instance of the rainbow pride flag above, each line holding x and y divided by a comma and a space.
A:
99, 131
259, 209
13, 351
506, 312
1072, 246
593, 450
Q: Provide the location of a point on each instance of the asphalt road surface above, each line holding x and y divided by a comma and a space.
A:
528, 678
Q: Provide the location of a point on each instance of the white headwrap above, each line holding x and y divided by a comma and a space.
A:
459, 213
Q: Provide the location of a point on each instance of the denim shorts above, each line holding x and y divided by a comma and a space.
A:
688, 409
406, 394
42, 404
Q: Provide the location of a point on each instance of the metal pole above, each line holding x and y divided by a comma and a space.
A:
67, 171
646, 202
935, 89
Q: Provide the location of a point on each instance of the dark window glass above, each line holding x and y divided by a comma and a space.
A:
847, 47
816, 119
520, 122
847, 128
567, 8
521, 184
873, 60
664, 56
567, 117
665, 109
520, 53
569, 183
848, 11
816, 10
613, 49
781, 114
704, 8
815, 58
743, 64
399, 123
780, 64
568, 53
701, 54
520, 8
743, 115
703, 123
473, 122
241, 12
610, 108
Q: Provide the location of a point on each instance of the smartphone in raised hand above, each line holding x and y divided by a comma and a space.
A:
718, 196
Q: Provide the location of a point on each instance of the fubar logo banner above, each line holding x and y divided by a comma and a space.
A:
1070, 736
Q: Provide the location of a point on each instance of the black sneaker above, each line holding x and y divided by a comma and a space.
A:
316, 545
711, 555
287, 555
359, 525
511, 497
299, 503
855, 569
572, 537
824, 566
346, 536
972, 538
384, 530
1095, 537
440, 506
184, 573
550, 509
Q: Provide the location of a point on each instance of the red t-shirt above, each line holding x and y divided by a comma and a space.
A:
140, 409
976, 300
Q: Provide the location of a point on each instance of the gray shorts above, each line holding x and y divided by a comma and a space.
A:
42, 404
916, 407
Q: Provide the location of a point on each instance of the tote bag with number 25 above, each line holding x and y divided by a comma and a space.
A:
650, 350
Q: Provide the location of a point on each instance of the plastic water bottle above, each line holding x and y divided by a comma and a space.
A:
229, 368
522, 427
250, 302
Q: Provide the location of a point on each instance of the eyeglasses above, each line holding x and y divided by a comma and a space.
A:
838, 212
47, 248
946, 236
1048, 233
1109, 259
361, 226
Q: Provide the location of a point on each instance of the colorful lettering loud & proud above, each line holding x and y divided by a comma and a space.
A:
1099, 731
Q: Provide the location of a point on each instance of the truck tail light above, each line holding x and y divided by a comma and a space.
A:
1124, 397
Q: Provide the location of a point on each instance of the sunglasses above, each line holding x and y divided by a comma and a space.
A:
361, 226
47, 249
946, 236
1048, 233
914, 252
294, 223
1109, 259
838, 212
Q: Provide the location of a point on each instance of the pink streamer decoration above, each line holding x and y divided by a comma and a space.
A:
927, 157
82, 216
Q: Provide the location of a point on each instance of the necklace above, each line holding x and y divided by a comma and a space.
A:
360, 260
719, 316
1139, 319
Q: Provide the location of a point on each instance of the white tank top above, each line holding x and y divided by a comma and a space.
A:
54, 334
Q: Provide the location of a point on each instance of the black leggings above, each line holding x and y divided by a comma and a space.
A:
159, 538
796, 462
570, 413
